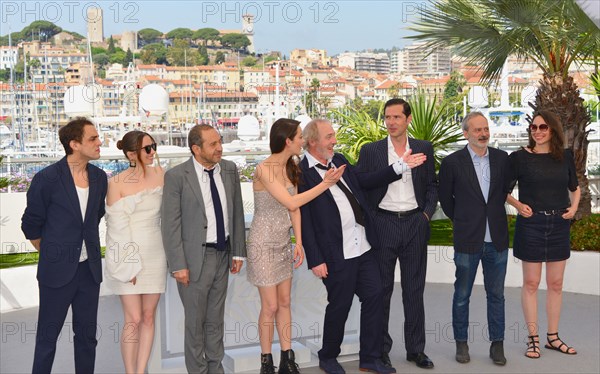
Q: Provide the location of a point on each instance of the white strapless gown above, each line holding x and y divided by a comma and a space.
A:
134, 245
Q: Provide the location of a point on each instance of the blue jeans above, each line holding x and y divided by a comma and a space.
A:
494, 272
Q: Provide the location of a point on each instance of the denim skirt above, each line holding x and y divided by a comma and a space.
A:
542, 238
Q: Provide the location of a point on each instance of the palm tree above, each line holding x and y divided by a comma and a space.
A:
554, 34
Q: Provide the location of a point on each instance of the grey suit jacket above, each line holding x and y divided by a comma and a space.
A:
184, 220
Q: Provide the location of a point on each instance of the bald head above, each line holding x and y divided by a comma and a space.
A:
319, 138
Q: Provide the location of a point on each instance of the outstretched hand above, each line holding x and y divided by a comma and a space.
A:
333, 175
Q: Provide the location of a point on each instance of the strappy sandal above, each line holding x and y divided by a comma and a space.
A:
567, 351
533, 347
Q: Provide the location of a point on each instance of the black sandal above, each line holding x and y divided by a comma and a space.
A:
559, 348
533, 346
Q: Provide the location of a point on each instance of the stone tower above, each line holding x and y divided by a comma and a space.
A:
95, 25
248, 30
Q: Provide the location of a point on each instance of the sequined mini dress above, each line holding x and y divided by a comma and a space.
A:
269, 246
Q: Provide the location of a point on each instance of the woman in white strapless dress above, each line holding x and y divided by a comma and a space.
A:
135, 262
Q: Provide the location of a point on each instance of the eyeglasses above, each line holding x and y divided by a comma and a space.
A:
543, 127
149, 148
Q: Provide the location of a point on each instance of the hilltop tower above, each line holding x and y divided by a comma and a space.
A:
248, 30
95, 25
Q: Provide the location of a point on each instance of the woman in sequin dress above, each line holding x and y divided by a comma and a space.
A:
270, 255
135, 263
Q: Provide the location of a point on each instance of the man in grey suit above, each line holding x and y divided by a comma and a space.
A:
204, 236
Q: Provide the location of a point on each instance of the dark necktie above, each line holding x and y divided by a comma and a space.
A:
214, 193
356, 209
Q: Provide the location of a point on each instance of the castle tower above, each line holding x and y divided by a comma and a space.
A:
95, 25
248, 30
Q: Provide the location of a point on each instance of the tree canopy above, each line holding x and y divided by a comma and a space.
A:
180, 33
205, 35
155, 53
552, 33
180, 54
43, 29
235, 41
149, 35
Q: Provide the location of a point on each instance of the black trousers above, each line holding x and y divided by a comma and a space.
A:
404, 239
360, 276
81, 294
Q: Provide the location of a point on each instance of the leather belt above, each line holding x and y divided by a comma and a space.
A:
406, 213
214, 245
552, 212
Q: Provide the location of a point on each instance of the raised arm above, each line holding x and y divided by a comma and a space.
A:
266, 178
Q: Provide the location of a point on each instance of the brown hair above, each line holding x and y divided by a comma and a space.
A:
557, 137
132, 142
405, 106
283, 129
73, 131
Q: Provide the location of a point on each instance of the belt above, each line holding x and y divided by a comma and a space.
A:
214, 245
406, 213
552, 212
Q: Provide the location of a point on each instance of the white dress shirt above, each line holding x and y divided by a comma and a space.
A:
353, 234
204, 181
400, 195
83, 194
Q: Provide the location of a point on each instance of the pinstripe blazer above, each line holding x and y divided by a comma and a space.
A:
374, 156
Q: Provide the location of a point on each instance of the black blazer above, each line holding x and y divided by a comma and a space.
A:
374, 156
321, 222
463, 202
54, 215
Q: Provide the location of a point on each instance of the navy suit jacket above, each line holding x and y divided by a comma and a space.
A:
463, 202
321, 222
374, 156
53, 214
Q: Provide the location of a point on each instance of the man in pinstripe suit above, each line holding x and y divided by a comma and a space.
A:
402, 213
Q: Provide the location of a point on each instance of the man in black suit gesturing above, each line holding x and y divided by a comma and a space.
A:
339, 241
472, 194
402, 211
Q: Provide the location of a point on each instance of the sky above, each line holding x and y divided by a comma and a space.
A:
336, 26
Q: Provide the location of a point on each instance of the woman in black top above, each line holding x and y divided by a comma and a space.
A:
548, 199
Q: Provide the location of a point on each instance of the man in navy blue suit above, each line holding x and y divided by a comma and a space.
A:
339, 242
472, 194
65, 203
402, 211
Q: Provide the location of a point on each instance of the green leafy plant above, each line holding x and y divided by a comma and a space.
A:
357, 128
430, 122
584, 234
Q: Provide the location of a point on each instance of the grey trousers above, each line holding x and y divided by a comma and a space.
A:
204, 309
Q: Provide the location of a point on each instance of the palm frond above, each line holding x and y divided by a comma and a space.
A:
430, 122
